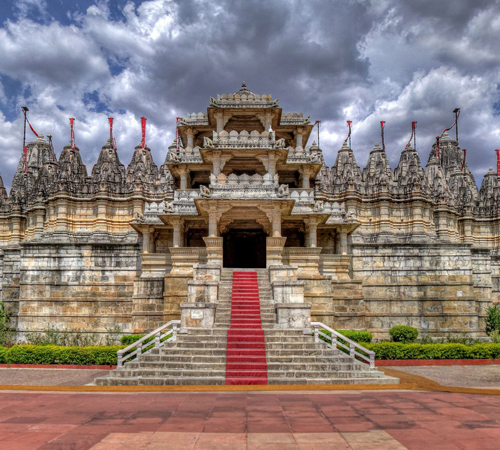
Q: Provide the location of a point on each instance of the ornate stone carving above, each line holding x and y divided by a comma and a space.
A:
345, 174
489, 195
377, 175
243, 98
409, 175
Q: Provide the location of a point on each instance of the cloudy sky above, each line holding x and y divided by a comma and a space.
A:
363, 60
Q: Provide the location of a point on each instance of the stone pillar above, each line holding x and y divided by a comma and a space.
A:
177, 224
274, 250
146, 240
216, 163
213, 229
343, 242
305, 177
184, 174
312, 235
214, 250
271, 169
190, 137
276, 223
298, 138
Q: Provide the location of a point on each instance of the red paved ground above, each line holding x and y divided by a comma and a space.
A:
358, 420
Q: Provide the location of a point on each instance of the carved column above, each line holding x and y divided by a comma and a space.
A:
298, 138
216, 170
178, 225
190, 137
276, 223
343, 242
271, 169
213, 220
146, 240
312, 231
184, 174
305, 177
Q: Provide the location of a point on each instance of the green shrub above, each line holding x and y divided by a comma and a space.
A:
398, 350
7, 334
52, 354
493, 319
3, 352
403, 333
357, 336
128, 339
495, 336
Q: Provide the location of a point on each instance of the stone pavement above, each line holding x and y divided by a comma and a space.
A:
459, 376
49, 377
368, 420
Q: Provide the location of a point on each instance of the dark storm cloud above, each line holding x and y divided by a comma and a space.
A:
334, 59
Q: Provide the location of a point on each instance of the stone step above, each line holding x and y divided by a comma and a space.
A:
149, 381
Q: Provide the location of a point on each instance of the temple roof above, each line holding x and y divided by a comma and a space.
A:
244, 98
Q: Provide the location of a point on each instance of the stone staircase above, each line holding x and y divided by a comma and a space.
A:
203, 357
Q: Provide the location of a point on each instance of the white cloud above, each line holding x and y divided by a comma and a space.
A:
362, 60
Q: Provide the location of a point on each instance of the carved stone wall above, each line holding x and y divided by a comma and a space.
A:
76, 287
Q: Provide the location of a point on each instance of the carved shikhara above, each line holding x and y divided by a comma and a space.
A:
374, 247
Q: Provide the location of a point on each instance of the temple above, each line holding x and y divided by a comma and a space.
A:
245, 186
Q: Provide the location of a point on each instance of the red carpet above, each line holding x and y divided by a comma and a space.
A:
246, 347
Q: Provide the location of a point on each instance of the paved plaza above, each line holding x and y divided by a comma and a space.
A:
367, 420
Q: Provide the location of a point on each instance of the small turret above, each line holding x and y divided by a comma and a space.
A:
38, 153
378, 175
4, 198
345, 174
108, 174
142, 170
72, 173
489, 195
463, 193
409, 173
436, 181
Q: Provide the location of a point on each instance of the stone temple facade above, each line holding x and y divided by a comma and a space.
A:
243, 187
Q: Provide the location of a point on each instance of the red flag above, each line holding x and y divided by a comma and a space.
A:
412, 134
32, 129
498, 162
143, 125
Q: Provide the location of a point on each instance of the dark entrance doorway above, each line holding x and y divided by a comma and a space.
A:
245, 249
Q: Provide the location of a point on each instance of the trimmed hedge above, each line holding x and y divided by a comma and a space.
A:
403, 333
52, 354
128, 339
397, 350
356, 336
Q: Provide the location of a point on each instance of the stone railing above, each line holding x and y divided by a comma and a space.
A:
244, 180
182, 204
185, 155
331, 339
305, 258
309, 155
165, 333
194, 119
184, 258
294, 119
233, 139
302, 195
244, 187
238, 100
